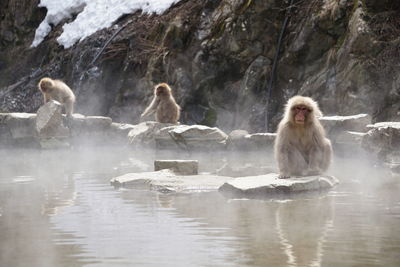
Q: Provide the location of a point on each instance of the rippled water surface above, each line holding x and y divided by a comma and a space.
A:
57, 208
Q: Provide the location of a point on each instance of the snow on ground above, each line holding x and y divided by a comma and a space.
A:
93, 15
387, 124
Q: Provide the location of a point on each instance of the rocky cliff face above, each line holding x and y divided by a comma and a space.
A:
220, 57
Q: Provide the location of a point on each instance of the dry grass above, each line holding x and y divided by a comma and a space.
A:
144, 36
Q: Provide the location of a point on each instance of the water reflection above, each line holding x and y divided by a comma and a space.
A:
302, 235
135, 229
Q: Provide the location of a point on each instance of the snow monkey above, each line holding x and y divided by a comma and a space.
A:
301, 147
59, 91
164, 105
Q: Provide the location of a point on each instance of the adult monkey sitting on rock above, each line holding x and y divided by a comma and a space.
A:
301, 148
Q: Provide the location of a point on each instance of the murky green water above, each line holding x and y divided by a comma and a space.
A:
58, 209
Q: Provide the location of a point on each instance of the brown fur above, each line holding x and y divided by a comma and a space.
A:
302, 149
58, 91
164, 105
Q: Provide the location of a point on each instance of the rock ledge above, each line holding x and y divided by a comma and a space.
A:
166, 181
270, 185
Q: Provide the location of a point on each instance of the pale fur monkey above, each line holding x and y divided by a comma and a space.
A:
164, 105
58, 91
301, 147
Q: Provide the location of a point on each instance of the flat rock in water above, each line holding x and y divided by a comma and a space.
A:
334, 124
166, 181
270, 185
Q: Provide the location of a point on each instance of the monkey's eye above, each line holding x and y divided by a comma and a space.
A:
300, 108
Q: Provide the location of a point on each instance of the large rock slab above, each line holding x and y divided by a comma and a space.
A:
49, 121
21, 125
119, 132
196, 137
270, 185
98, 123
348, 143
350, 138
334, 125
91, 130
385, 125
166, 181
83, 124
242, 140
143, 134
17, 129
47, 129
383, 140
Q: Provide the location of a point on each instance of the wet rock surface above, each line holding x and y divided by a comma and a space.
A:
183, 167
143, 134
49, 121
50, 129
189, 137
383, 140
119, 132
269, 185
17, 129
169, 136
357, 122
166, 181
242, 140
346, 132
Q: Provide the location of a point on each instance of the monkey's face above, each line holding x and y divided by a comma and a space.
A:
300, 114
45, 87
161, 91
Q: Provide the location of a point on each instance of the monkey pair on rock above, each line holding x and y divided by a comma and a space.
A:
301, 148
58, 91
163, 105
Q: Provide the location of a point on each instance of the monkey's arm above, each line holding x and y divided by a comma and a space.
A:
320, 158
283, 163
317, 153
282, 154
151, 108
46, 98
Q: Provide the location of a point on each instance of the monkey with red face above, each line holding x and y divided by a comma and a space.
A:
163, 104
301, 147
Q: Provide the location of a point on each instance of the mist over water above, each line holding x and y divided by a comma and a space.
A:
57, 208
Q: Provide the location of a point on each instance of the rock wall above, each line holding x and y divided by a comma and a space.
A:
218, 56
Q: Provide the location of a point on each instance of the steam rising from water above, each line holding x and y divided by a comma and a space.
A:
60, 204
